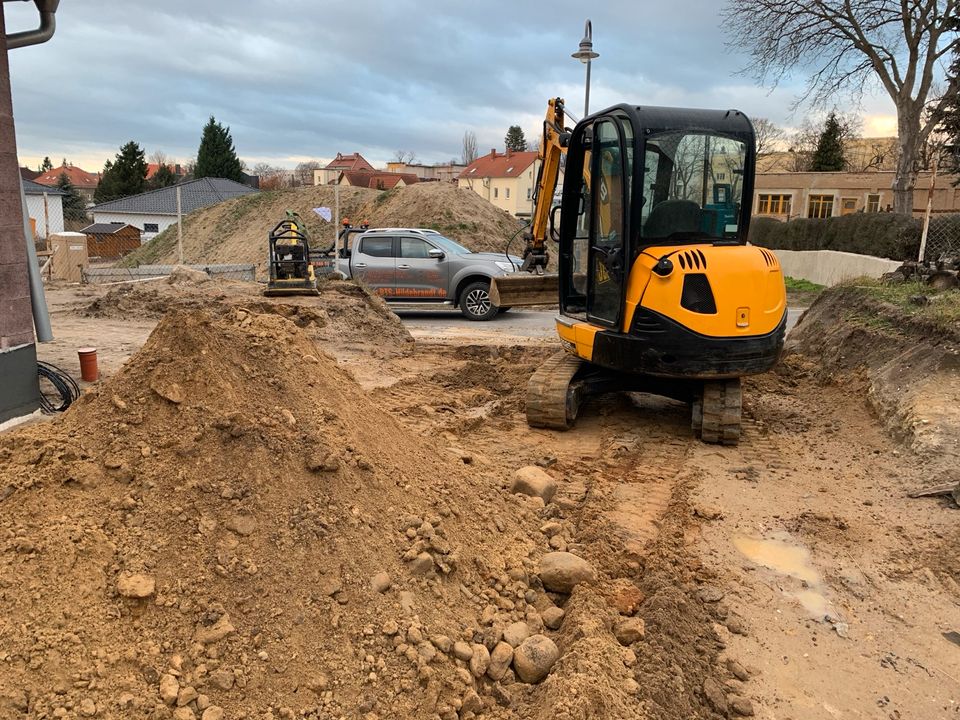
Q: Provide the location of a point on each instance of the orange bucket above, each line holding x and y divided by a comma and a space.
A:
88, 364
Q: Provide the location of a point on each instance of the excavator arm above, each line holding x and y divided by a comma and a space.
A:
531, 286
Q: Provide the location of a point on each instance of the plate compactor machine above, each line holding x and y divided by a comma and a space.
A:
289, 265
659, 291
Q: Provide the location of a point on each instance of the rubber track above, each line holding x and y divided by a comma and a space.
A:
722, 402
551, 401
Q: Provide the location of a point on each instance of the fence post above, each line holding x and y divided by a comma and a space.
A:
179, 228
926, 217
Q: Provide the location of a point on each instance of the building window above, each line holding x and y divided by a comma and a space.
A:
529, 193
721, 176
496, 192
774, 204
873, 203
151, 227
508, 193
820, 206
848, 206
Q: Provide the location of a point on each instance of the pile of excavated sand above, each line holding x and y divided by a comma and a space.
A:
236, 231
341, 316
229, 527
460, 214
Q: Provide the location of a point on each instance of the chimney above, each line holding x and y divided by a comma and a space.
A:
493, 152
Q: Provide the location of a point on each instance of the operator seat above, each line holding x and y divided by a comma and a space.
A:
673, 216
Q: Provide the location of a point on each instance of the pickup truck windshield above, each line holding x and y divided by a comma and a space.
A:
447, 244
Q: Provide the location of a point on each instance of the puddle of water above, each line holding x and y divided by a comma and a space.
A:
780, 556
792, 560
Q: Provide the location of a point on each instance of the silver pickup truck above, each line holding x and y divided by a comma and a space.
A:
417, 266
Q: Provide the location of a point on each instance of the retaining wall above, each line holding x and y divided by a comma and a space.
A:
830, 267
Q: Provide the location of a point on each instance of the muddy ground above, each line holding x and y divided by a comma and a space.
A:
789, 577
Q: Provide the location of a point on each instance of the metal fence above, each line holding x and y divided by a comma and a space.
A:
943, 238
106, 275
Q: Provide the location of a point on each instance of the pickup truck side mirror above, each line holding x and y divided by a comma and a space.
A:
437, 253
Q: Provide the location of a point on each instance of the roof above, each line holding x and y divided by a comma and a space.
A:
194, 195
32, 188
153, 167
28, 174
78, 178
354, 161
106, 228
379, 180
499, 165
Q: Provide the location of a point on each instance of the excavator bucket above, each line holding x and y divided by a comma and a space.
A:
518, 289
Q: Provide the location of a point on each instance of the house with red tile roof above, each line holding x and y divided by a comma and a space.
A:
85, 182
378, 179
505, 179
176, 169
330, 174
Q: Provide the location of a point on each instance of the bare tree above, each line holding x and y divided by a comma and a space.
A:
769, 136
303, 172
159, 157
405, 156
469, 150
848, 43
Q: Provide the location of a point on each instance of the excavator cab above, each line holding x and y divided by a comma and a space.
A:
659, 290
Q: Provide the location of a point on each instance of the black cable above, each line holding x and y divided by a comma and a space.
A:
65, 385
506, 251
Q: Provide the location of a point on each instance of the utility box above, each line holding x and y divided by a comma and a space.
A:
69, 257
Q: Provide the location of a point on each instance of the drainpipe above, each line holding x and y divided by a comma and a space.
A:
48, 24
38, 300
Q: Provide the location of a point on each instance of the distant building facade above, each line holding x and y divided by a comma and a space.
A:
330, 174
505, 179
789, 195
442, 172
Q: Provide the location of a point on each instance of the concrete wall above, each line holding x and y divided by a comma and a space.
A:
829, 267
54, 212
139, 221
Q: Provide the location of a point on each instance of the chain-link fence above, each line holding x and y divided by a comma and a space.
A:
106, 275
943, 239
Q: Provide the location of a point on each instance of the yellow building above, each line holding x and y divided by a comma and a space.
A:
505, 179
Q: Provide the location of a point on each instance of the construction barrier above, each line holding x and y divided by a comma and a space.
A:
105, 276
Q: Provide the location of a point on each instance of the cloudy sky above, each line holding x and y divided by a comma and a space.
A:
304, 79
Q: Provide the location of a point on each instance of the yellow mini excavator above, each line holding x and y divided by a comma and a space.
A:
659, 291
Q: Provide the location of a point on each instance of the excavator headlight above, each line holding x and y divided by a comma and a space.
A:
663, 267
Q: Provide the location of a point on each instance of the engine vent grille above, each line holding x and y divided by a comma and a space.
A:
697, 295
690, 259
769, 258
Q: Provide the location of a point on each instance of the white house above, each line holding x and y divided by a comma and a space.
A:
156, 210
45, 207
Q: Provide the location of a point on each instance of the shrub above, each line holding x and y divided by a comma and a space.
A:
879, 234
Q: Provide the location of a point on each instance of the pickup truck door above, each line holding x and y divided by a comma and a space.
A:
373, 263
421, 278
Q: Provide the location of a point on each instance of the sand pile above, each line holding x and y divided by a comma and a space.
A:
236, 231
343, 317
459, 214
231, 524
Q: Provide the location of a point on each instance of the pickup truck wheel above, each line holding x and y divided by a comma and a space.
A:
475, 302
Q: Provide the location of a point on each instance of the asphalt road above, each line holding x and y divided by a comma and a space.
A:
517, 326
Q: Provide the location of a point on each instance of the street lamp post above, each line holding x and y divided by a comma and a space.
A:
585, 54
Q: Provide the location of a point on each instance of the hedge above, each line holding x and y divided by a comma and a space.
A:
886, 235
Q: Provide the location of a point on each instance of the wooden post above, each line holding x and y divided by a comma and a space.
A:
926, 217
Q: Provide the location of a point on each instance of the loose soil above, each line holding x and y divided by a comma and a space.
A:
236, 231
207, 487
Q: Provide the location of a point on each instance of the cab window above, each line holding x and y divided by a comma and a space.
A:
377, 246
414, 248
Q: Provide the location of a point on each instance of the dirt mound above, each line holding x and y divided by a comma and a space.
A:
235, 231
343, 316
459, 214
230, 521
904, 360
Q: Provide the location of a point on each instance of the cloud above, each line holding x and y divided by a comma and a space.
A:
302, 79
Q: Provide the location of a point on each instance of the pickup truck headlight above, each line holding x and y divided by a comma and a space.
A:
506, 267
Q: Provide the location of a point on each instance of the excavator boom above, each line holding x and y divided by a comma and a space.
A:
532, 286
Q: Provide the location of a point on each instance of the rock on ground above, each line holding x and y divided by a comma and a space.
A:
535, 657
531, 480
562, 571
136, 586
